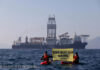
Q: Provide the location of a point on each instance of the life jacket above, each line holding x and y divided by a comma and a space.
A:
46, 57
75, 57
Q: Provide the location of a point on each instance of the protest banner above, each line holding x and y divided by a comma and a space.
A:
63, 54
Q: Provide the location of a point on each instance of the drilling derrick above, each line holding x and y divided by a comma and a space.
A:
51, 31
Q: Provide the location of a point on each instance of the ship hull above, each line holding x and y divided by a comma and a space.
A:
34, 46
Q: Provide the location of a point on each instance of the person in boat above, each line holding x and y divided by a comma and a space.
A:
46, 57
75, 61
76, 58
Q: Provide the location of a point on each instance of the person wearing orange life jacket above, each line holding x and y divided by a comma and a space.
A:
75, 61
76, 58
46, 57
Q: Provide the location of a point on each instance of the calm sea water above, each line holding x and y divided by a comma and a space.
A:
30, 60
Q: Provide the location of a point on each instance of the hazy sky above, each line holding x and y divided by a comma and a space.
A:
29, 17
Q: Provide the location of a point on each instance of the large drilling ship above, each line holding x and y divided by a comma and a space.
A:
51, 41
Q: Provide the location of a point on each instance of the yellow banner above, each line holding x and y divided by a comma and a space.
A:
63, 54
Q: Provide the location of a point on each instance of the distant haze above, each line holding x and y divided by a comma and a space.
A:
95, 43
29, 18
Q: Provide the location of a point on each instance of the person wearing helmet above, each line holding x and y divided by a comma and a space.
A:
45, 58
75, 61
76, 58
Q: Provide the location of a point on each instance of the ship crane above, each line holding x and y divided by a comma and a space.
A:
64, 35
84, 38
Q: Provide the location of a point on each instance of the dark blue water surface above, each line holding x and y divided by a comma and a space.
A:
30, 60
